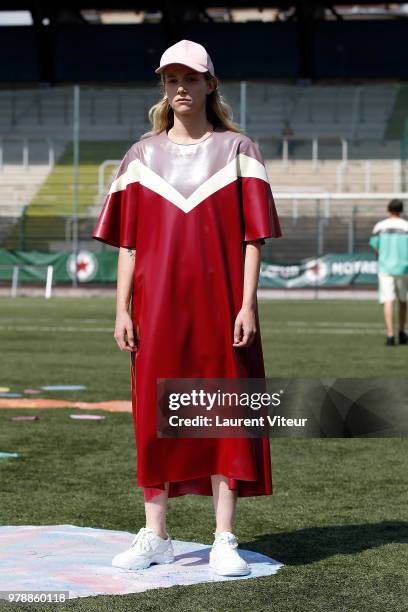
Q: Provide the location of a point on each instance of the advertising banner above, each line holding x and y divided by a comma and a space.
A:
330, 270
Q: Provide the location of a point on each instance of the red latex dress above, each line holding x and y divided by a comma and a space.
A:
188, 211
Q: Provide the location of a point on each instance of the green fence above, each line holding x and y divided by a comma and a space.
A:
310, 231
404, 156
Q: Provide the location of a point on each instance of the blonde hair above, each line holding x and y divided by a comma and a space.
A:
219, 112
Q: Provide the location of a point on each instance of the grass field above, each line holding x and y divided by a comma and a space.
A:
337, 518
55, 195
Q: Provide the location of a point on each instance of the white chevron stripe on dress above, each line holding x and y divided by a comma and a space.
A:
250, 167
242, 165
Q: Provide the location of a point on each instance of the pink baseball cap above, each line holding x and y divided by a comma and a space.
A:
188, 53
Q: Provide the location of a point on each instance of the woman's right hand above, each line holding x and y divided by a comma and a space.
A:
124, 334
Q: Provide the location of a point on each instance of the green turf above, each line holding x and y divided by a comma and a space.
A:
45, 217
336, 519
55, 195
398, 115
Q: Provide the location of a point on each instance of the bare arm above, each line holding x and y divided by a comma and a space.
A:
123, 324
245, 322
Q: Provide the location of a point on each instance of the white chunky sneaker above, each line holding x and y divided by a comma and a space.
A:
224, 558
146, 548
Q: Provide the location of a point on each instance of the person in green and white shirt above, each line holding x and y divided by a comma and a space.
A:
389, 240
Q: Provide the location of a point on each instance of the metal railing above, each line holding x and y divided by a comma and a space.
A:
285, 141
25, 149
367, 175
312, 224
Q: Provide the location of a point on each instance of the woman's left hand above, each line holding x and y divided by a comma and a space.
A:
245, 327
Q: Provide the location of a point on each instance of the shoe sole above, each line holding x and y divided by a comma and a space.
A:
159, 559
237, 572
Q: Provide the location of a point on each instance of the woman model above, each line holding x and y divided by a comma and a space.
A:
189, 209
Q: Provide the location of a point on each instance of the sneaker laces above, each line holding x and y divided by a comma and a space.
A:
141, 541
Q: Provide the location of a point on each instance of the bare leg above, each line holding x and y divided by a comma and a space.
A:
402, 315
388, 316
155, 511
224, 500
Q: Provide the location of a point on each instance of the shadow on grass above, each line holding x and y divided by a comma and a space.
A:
316, 543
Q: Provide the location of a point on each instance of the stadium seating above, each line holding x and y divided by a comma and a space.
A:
348, 111
111, 118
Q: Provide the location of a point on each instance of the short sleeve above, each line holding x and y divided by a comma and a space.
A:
259, 214
374, 241
117, 222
